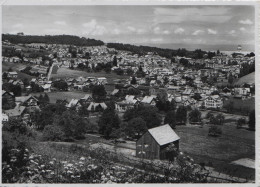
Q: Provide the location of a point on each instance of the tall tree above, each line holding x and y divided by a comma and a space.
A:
114, 61
181, 114
108, 122
136, 127
251, 123
195, 116
133, 81
170, 118
99, 92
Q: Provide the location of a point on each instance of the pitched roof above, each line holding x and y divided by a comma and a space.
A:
73, 102
86, 97
17, 111
13, 73
115, 91
23, 99
187, 91
147, 99
163, 134
93, 104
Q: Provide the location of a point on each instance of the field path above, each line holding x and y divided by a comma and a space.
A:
49, 73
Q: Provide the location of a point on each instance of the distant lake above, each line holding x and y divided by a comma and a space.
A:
245, 48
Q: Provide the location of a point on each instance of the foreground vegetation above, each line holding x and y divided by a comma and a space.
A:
26, 160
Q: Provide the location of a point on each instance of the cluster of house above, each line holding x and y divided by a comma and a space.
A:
24, 106
87, 101
81, 82
179, 97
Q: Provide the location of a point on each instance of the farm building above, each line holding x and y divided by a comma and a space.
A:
153, 144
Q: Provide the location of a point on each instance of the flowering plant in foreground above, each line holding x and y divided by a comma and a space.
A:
25, 167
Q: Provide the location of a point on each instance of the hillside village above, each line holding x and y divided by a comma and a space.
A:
125, 99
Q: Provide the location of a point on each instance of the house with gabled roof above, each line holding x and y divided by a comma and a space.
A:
154, 143
74, 103
213, 101
149, 100
26, 101
95, 107
86, 99
9, 96
18, 111
12, 75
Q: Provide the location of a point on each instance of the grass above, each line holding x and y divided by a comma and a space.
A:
63, 95
249, 79
64, 72
248, 104
220, 151
16, 67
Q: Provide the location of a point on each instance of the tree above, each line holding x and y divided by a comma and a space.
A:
114, 61
61, 85
129, 71
99, 92
230, 79
83, 111
195, 116
184, 62
209, 115
148, 113
119, 71
133, 81
218, 120
107, 70
240, 122
230, 106
52, 133
170, 118
136, 127
46, 98
251, 123
47, 115
196, 96
215, 131
181, 115
108, 121
6, 105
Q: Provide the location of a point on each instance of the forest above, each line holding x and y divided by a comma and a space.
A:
48, 39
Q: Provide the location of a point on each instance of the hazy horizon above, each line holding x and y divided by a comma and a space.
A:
184, 26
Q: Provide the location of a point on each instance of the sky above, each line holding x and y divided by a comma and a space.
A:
168, 26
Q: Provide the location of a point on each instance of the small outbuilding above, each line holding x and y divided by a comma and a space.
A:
154, 143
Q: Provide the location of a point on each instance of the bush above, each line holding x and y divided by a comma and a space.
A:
240, 122
215, 131
52, 133
251, 123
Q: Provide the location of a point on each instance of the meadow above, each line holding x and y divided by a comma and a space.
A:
218, 152
65, 72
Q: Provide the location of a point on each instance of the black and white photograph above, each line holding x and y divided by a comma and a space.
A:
129, 93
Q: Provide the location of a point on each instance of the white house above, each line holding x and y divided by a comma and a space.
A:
213, 101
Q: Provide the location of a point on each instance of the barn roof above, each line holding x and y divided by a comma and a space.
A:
164, 134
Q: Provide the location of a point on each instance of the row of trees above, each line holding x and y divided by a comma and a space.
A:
48, 39
168, 53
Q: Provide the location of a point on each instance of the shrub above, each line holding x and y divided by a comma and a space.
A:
52, 133
215, 131
240, 122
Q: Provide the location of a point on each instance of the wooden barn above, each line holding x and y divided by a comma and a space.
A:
153, 144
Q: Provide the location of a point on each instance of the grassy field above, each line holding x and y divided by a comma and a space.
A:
63, 95
64, 72
229, 118
218, 152
248, 104
16, 67
250, 79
